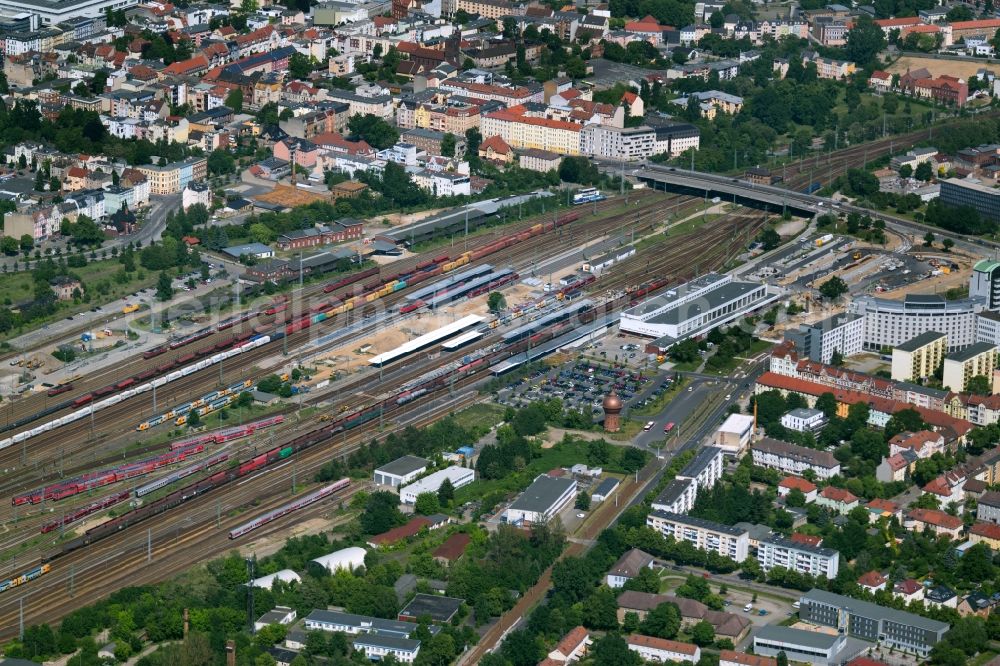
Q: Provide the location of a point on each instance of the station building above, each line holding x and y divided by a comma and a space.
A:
694, 308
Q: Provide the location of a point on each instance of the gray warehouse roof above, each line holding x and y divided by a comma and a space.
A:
542, 494
709, 301
403, 466
811, 639
874, 611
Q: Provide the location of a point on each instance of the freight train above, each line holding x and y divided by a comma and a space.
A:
125, 389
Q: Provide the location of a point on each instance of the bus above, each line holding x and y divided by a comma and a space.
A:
588, 195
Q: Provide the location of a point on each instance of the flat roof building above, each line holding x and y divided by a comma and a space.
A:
843, 333
890, 323
800, 557
976, 360
811, 647
971, 192
400, 471
919, 357
862, 619
437, 608
725, 540
733, 436
544, 498
694, 308
459, 476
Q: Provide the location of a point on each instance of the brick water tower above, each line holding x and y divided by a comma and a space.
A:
612, 412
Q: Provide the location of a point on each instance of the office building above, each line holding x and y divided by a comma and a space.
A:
800, 557
51, 12
694, 308
675, 138
988, 327
794, 459
617, 143
458, 476
799, 645
919, 357
706, 535
891, 628
544, 498
971, 192
985, 282
802, 419
842, 333
976, 360
890, 323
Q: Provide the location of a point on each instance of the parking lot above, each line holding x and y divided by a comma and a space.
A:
582, 385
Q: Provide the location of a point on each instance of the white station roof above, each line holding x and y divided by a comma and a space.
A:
426, 339
455, 343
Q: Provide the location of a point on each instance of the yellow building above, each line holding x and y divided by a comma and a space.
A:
975, 360
919, 357
519, 131
174, 177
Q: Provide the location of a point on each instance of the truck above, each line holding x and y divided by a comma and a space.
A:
823, 240
129, 308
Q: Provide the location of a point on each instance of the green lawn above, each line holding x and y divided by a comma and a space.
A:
481, 416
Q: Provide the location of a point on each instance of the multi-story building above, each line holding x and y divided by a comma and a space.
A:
725, 540
695, 307
618, 143
919, 357
889, 323
971, 192
705, 468
800, 557
985, 282
711, 102
534, 159
794, 459
522, 131
803, 419
889, 627
988, 507
51, 12
843, 333
939, 522
678, 497
976, 360
676, 138
491, 9
174, 177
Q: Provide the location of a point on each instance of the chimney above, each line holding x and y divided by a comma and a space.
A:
185, 623
230, 653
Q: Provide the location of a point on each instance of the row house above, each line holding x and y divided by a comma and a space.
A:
197, 64
509, 95
275, 60
944, 89
258, 41
524, 132
938, 522
381, 105
299, 92
308, 124
39, 222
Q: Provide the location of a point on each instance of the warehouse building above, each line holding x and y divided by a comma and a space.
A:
459, 476
800, 646
400, 471
543, 499
694, 308
892, 628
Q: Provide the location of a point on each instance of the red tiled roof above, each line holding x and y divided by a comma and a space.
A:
453, 547
908, 587
792, 482
936, 518
924, 29
745, 659
883, 505
572, 640
865, 661
897, 22
497, 144
509, 116
402, 532
661, 644
807, 539
187, 66
986, 530
975, 25
879, 74
871, 579
838, 495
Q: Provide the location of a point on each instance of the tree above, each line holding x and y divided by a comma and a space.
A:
864, 41
299, 66
378, 133
703, 634
9, 246
39, 181
869, 445
496, 301
582, 501
446, 493
221, 162
612, 650
827, 403
833, 288
448, 145
769, 239
782, 658
836, 358
234, 100
381, 512
924, 172
979, 385
795, 498
929, 239
905, 171
261, 233
716, 20
959, 13
164, 287
664, 621
947, 244
427, 504
193, 419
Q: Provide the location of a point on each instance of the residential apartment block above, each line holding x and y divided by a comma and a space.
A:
794, 556
174, 177
714, 537
976, 360
794, 459
919, 357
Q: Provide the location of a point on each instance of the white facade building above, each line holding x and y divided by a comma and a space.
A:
543, 499
844, 333
794, 556
804, 420
459, 476
706, 535
347, 559
891, 322
794, 459
400, 471
733, 436
618, 143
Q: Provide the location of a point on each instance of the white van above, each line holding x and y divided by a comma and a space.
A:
748, 608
